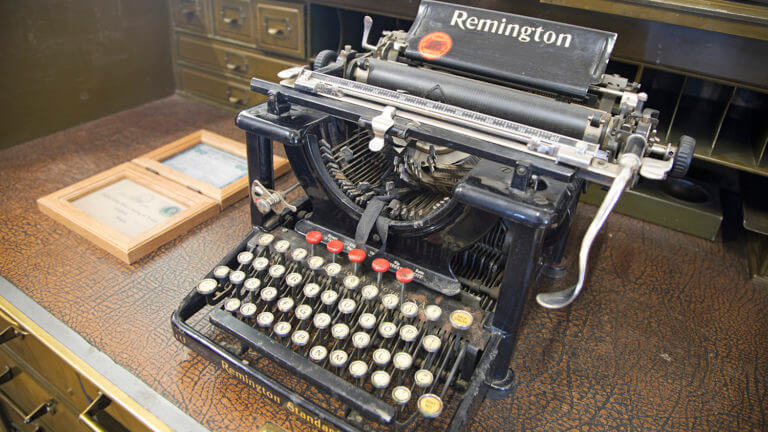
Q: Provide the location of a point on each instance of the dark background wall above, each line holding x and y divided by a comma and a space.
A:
64, 62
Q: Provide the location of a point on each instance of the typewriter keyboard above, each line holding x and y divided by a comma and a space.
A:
365, 330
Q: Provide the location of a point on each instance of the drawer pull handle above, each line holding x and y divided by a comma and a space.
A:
234, 100
47, 407
229, 20
86, 417
277, 31
231, 66
235, 21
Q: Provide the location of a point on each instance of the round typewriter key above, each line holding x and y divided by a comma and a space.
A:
221, 273
207, 287
367, 320
265, 319
381, 357
340, 331
282, 328
347, 306
423, 378
232, 304
328, 297
236, 277
266, 239
351, 282
269, 294
430, 405
370, 292
361, 340
333, 270
322, 320
380, 379
338, 358
277, 271
248, 310
285, 304
401, 395
315, 262
402, 361
432, 312
293, 279
260, 264
300, 337
390, 301
356, 256
282, 246
252, 284
334, 247
358, 368
387, 330
431, 343
298, 254
461, 319
311, 290
409, 309
244, 258
380, 266
303, 312
408, 333
318, 353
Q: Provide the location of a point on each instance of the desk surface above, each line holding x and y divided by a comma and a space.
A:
668, 335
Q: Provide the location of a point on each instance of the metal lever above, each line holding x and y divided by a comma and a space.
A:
367, 24
629, 164
265, 198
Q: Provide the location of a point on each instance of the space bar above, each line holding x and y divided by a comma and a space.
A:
365, 403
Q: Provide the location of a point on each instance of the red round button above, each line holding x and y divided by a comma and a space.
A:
335, 246
404, 275
314, 237
356, 255
380, 265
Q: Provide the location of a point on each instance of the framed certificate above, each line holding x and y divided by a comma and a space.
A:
127, 210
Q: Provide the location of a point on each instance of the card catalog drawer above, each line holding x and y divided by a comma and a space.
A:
190, 15
231, 92
234, 19
281, 28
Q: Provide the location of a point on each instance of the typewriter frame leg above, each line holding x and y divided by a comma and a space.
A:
259, 168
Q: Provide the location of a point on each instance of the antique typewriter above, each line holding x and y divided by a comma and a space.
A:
442, 167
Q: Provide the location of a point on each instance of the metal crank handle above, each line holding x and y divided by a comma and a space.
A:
629, 164
265, 198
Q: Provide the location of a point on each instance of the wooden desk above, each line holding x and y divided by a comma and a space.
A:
668, 335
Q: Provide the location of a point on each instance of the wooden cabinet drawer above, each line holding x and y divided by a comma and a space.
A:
281, 27
190, 15
234, 19
228, 59
235, 93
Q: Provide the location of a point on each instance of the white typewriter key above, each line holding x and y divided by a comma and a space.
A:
260, 264
282, 246
361, 340
430, 405
221, 273
370, 292
338, 358
340, 331
269, 294
390, 301
431, 343
401, 395
315, 262
285, 304
328, 297
236, 277
277, 271
461, 319
333, 270
432, 312
408, 333
423, 378
293, 279
207, 286
248, 310
358, 368
266, 239
265, 319
402, 361
298, 254
387, 330
252, 284
232, 305
322, 320
282, 328
409, 309
351, 282
381, 357
380, 379
318, 353
347, 306
300, 337
311, 290
367, 320
244, 258
303, 312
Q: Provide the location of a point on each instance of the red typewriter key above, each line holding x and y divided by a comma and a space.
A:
313, 238
403, 275
334, 247
380, 266
356, 256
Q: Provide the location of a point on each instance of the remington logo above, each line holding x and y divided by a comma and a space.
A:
524, 34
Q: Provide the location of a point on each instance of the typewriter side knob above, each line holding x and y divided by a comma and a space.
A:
683, 157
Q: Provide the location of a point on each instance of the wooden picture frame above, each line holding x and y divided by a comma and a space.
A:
128, 248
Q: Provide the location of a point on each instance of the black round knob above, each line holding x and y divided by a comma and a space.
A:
324, 58
683, 157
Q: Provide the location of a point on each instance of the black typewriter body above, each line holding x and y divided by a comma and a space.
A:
391, 295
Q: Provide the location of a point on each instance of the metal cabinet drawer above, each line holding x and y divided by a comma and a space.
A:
281, 28
233, 19
228, 59
190, 15
235, 93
